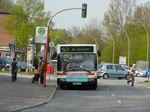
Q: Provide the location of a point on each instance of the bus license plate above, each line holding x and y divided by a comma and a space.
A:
77, 83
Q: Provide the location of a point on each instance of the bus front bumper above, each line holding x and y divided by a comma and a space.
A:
63, 82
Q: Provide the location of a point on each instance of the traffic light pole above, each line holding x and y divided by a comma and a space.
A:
48, 40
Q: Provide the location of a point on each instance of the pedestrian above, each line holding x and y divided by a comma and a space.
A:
36, 76
14, 66
42, 72
132, 75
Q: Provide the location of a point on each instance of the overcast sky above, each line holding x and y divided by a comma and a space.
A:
67, 19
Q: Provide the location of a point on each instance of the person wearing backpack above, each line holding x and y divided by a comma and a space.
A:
14, 66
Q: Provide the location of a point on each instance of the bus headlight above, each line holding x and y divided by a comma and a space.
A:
91, 79
62, 79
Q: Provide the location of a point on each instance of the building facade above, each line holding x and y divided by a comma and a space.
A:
6, 38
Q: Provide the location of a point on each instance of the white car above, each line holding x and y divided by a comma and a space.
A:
140, 73
30, 67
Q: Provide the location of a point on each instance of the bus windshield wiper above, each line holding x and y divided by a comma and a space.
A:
85, 69
72, 68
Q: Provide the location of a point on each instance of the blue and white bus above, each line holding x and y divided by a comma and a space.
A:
77, 65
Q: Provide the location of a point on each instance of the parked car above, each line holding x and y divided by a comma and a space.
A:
109, 70
5, 64
30, 67
126, 68
22, 66
140, 73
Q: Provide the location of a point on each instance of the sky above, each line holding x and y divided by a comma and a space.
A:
67, 19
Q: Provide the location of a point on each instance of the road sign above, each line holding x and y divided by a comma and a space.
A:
122, 60
51, 44
41, 33
147, 72
41, 54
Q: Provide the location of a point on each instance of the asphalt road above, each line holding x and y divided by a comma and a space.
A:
112, 95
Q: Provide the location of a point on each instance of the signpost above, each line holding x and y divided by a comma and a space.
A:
148, 74
12, 49
41, 33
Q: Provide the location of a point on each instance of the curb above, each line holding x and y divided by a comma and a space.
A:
38, 104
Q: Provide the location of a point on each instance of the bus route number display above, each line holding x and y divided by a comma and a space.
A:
76, 49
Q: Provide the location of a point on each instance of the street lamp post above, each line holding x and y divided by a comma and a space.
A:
128, 42
61, 39
47, 40
147, 36
113, 47
92, 38
128, 46
95, 42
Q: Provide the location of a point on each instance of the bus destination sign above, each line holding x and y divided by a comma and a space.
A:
77, 49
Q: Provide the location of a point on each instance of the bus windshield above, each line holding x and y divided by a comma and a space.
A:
77, 62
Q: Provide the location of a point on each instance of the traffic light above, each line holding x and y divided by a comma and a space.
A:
84, 10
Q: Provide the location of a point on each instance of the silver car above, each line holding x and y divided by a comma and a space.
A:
140, 73
109, 70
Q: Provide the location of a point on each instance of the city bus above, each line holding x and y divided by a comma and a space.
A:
77, 65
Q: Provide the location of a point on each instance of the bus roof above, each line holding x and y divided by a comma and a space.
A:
76, 44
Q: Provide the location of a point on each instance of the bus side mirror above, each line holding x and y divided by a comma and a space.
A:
99, 53
54, 55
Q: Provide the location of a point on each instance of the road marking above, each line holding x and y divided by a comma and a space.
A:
113, 94
119, 101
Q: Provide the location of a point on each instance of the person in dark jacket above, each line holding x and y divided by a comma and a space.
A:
42, 72
14, 66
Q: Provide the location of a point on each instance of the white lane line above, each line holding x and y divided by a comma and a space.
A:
119, 101
113, 94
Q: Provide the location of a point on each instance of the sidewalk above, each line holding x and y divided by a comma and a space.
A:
21, 95
142, 81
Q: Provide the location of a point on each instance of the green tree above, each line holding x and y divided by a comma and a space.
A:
60, 36
4, 5
120, 14
26, 15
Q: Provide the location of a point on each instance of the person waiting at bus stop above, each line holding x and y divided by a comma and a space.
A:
132, 75
42, 72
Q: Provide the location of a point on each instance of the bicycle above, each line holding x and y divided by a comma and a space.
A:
13, 77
